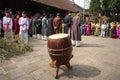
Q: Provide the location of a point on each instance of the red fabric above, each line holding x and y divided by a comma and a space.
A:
7, 27
16, 26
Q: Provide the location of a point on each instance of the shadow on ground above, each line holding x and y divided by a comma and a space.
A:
81, 71
91, 45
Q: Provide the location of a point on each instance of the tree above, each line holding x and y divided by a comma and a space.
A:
95, 6
111, 8
105, 7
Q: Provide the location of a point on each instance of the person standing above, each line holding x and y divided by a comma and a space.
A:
92, 27
112, 29
1, 14
16, 26
107, 31
88, 27
75, 33
117, 29
1, 18
57, 22
30, 27
34, 27
50, 25
84, 28
0, 27
8, 26
81, 29
44, 27
103, 27
39, 26
97, 29
24, 26
67, 22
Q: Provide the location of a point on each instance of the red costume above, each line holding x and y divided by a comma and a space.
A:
16, 26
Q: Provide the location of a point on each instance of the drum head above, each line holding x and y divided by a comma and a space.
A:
58, 36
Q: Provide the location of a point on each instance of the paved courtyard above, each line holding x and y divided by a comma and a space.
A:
97, 59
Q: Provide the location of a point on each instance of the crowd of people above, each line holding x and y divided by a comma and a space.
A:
14, 26
41, 26
103, 29
38, 26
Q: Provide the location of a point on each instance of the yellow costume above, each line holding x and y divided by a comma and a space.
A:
97, 29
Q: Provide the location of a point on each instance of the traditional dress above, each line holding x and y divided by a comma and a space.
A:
114, 32
84, 29
92, 28
103, 27
0, 26
16, 26
30, 28
97, 29
68, 22
57, 24
117, 31
1, 29
50, 26
39, 26
75, 32
81, 29
1, 18
112, 25
44, 28
88, 31
1, 15
107, 30
24, 26
7, 26
34, 28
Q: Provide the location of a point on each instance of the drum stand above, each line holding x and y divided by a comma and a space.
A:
54, 63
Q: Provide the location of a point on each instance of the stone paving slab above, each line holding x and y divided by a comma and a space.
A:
15, 74
96, 59
26, 77
3, 77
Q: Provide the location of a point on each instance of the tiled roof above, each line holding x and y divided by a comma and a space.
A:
61, 4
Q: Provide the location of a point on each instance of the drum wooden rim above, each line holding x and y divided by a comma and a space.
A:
58, 36
70, 47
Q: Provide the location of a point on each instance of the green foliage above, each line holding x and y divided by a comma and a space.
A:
106, 7
9, 48
95, 6
72, 15
81, 17
112, 4
110, 8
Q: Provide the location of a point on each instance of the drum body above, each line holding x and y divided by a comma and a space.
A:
60, 48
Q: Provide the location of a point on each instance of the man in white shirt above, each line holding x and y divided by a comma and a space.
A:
24, 26
7, 26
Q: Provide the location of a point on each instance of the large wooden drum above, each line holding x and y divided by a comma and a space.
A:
60, 50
